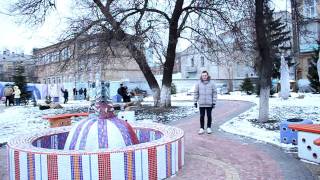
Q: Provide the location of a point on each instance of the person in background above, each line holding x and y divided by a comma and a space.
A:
205, 95
65, 95
17, 93
121, 91
126, 96
8, 91
85, 93
80, 93
75, 93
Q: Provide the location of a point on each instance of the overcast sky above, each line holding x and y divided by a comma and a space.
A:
20, 38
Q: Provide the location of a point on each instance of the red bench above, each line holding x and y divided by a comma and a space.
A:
312, 128
62, 119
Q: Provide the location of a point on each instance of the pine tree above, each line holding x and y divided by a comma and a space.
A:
312, 71
247, 86
20, 81
279, 38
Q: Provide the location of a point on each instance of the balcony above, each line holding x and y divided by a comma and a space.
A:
191, 69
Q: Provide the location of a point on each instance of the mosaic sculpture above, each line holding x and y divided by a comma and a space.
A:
100, 147
104, 130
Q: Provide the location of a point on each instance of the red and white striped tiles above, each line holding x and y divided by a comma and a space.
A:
159, 158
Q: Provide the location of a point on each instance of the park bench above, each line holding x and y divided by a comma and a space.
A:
308, 141
63, 119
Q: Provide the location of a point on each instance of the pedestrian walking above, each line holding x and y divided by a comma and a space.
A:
8, 91
65, 95
75, 93
80, 93
122, 92
205, 95
17, 93
85, 93
126, 97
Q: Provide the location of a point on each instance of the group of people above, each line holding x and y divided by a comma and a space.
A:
82, 93
12, 95
75, 93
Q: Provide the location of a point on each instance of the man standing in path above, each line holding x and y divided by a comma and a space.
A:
206, 95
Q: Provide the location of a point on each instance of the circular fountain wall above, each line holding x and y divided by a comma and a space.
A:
41, 155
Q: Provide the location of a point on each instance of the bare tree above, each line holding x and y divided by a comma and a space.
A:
109, 19
132, 22
192, 20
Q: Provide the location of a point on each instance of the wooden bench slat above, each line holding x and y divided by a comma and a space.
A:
65, 116
313, 128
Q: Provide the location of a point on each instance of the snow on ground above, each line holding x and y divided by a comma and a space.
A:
307, 107
295, 107
19, 120
15, 120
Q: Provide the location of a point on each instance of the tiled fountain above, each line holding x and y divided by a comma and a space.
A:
99, 147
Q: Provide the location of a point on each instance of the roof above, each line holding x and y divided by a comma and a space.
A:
13, 57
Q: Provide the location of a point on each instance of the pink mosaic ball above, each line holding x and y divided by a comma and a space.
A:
102, 131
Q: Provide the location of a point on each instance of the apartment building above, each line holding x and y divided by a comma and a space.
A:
309, 29
81, 61
10, 60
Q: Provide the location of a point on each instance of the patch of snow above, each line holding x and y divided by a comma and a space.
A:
279, 109
15, 120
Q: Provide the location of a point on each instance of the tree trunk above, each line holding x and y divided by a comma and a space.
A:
140, 58
230, 80
266, 63
230, 85
264, 104
295, 35
165, 97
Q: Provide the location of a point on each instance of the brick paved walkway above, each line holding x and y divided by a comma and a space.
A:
224, 156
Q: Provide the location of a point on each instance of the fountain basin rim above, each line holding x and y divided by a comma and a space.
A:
23, 143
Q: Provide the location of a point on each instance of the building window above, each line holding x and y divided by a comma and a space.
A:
65, 53
310, 8
202, 61
49, 82
192, 62
44, 81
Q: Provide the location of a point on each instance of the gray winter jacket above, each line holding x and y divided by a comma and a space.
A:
205, 93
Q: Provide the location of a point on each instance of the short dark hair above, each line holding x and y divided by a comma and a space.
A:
205, 72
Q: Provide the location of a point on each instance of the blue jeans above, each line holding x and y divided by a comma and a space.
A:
17, 101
